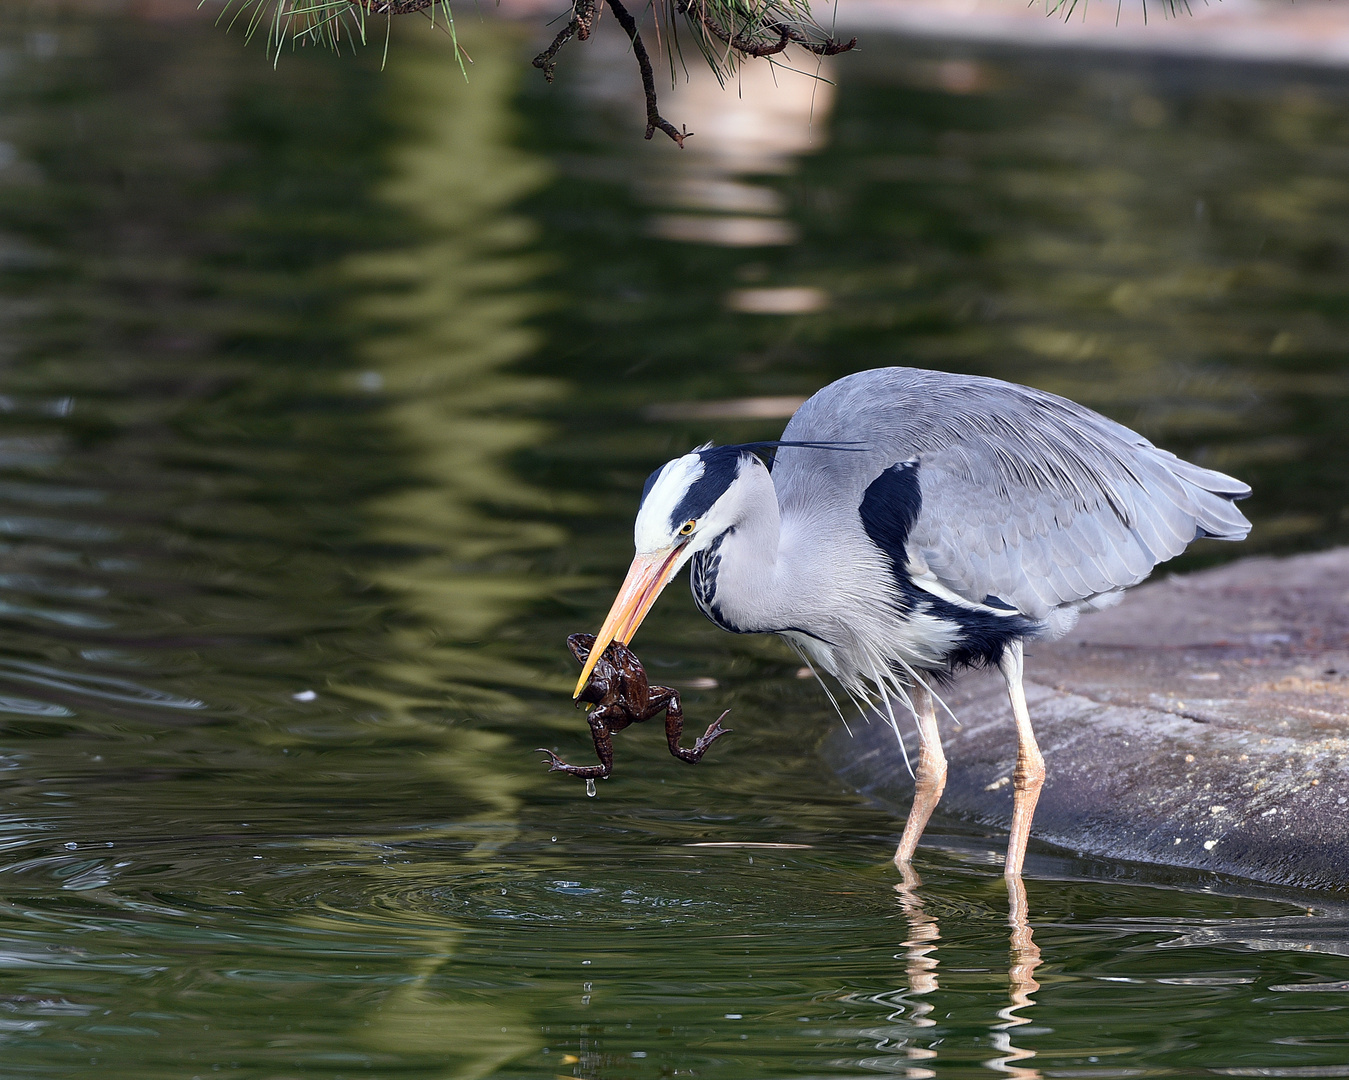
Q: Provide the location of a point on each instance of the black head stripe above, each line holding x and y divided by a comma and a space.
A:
650, 483
721, 465
768, 450
773, 444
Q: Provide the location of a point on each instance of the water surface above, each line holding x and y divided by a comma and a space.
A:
325, 396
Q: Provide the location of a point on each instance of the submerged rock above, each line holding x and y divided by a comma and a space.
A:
1203, 723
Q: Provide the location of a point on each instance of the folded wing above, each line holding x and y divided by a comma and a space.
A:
1026, 497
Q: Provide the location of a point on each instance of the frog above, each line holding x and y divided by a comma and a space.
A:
620, 695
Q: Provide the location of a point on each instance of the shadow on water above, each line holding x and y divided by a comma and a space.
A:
325, 395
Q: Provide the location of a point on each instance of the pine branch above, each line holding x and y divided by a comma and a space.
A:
726, 32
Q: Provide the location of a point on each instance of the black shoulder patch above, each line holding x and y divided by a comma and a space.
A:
889, 510
721, 464
890, 507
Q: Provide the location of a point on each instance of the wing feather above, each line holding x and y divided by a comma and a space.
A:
1025, 495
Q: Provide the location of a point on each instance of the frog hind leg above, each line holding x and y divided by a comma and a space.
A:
663, 697
602, 735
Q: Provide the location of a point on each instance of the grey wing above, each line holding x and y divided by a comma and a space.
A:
1025, 496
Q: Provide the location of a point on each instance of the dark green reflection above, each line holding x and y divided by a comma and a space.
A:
253, 418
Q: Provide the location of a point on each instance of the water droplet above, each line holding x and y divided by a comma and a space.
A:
590, 788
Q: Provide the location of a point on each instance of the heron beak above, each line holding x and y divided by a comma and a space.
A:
647, 576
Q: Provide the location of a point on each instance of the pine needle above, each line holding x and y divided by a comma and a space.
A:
332, 24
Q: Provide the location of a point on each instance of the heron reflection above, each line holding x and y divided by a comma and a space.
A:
921, 972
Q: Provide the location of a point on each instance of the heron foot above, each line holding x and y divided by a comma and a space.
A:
581, 772
714, 732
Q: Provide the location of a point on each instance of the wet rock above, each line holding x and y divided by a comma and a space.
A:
1203, 723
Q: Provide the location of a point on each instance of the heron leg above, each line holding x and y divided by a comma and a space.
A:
1029, 776
931, 778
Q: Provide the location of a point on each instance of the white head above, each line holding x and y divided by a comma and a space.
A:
687, 503
693, 499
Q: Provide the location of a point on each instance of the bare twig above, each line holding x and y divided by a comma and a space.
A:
654, 119
746, 45
827, 47
546, 61
787, 35
583, 16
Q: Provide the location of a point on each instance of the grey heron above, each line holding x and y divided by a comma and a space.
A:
914, 523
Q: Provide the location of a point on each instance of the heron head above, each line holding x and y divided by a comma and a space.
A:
687, 503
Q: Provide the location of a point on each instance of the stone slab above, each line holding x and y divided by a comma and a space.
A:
1203, 723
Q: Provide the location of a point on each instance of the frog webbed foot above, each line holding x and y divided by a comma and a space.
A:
714, 732
581, 772
695, 752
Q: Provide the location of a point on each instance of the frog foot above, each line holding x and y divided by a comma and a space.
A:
714, 732
583, 772
706, 739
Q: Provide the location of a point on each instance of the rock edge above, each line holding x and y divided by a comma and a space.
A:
1204, 723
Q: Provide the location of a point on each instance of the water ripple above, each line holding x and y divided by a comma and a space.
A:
55, 529
103, 687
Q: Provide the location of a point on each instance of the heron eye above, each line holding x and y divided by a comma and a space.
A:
687, 528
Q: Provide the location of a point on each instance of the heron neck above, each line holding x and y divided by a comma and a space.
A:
736, 584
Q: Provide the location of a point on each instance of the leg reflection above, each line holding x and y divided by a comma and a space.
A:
920, 966
1025, 956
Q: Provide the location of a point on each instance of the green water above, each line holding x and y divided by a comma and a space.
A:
321, 425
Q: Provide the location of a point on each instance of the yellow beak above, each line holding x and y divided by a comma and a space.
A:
647, 576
